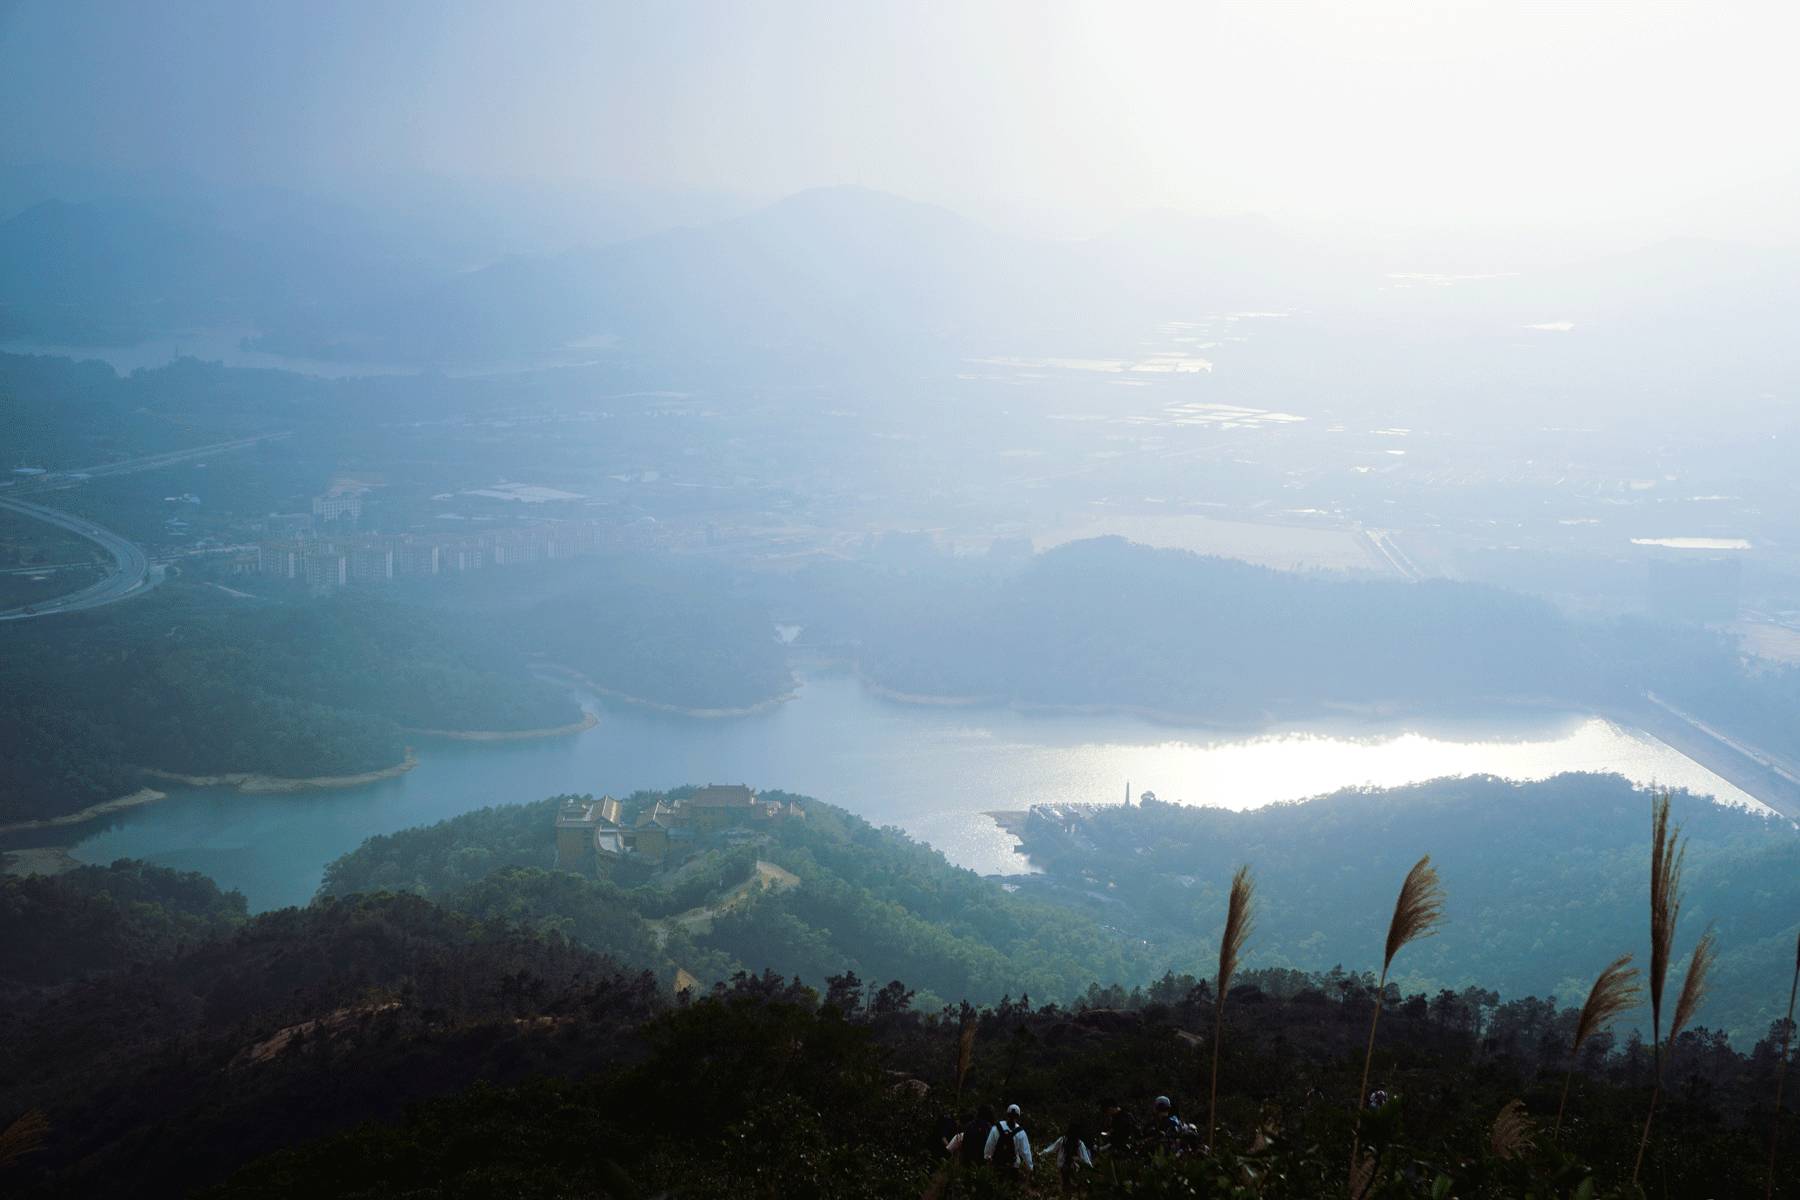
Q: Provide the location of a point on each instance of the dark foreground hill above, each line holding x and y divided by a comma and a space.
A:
509, 1081
387, 1046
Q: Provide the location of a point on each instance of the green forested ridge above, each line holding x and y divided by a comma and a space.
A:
870, 900
1545, 882
1171, 630
688, 633
192, 681
667, 641
1167, 630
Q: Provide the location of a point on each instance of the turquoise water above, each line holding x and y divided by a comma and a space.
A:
931, 771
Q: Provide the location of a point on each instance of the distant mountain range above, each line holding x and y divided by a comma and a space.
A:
842, 271
852, 276
117, 271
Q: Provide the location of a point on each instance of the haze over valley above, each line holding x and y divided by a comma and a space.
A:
554, 554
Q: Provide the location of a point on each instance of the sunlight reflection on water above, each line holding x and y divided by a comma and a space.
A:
931, 771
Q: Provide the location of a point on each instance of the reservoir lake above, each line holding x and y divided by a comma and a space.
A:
933, 771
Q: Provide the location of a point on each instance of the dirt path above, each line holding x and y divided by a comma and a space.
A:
766, 877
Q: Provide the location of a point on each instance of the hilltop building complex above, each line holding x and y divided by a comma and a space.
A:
589, 832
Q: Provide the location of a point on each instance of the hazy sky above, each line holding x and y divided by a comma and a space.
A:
1059, 115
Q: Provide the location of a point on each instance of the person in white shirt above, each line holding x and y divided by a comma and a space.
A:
1070, 1154
1008, 1145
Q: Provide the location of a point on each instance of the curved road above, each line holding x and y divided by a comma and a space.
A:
129, 577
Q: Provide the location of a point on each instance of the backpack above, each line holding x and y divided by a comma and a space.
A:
974, 1141
1071, 1161
1006, 1150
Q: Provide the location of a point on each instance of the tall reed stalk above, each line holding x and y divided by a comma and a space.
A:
1615, 991
1666, 853
965, 1056
1417, 913
24, 1136
1787, 1034
1231, 944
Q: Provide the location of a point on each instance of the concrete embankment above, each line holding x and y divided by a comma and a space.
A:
1764, 776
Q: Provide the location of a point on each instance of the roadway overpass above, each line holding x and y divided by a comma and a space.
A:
130, 575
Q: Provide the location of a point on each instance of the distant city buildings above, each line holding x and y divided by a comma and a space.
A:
338, 507
288, 524
331, 561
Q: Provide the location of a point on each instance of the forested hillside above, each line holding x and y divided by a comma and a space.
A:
684, 633
666, 644
1545, 882
1169, 630
1113, 624
869, 901
58, 929
1545, 886
193, 681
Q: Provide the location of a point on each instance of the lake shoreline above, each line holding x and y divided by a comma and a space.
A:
587, 722
1010, 820
936, 772
92, 812
251, 783
1268, 722
570, 674
38, 860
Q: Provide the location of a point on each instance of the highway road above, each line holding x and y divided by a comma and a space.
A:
129, 577
52, 480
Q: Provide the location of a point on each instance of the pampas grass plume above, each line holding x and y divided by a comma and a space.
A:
1238, 920
1614, 992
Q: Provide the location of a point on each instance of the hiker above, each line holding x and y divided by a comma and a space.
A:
968, 1147
1008, 1146
949, 1125
1070, 1154
1165, 1127
1118, 1132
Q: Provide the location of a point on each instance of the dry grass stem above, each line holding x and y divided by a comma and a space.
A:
1787, 1035
1614, 992
1238, 921
24, 1136
1418, 911
1694, 984
1513, 1133
965, 1055
1666, 854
